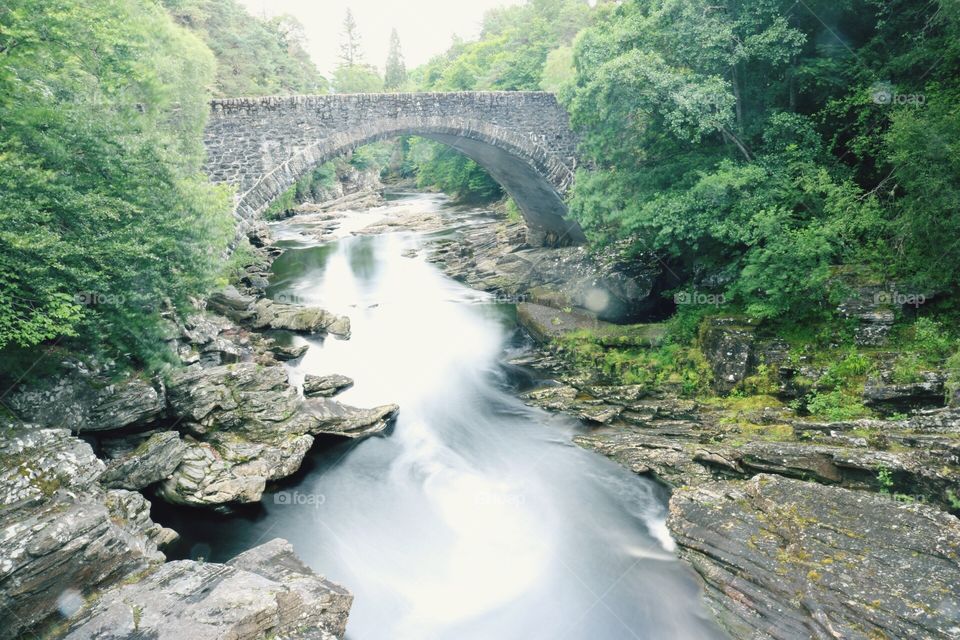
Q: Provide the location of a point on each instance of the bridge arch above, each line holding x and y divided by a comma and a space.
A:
263, 146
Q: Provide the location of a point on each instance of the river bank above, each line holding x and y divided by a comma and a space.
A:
795, 528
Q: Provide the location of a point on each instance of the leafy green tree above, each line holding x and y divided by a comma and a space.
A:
105, 217
558, 70
395, 74
357, 79
254, 57
746, 140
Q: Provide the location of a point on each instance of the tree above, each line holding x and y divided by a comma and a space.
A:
350, 53
254, 57
395, 74
360, 78
105, 216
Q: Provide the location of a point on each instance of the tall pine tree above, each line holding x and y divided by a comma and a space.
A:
395, 75
350, 54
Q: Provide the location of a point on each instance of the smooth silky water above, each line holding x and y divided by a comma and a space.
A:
473, 517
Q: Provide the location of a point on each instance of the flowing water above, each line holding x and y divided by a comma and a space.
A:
473, 517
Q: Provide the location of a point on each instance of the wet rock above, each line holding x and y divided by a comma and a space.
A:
278, 315
151, 461
785, 559
264, 592
343, 420
83, 400
326, 386
727, 344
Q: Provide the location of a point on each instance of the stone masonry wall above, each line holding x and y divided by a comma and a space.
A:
263, 145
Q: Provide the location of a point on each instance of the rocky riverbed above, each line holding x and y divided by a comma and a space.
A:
796, 528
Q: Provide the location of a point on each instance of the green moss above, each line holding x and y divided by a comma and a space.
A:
618, 358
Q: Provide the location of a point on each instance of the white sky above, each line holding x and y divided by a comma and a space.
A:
426, 27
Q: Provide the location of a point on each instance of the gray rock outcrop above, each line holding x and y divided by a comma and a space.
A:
263, 593
788, 559
81, 399
61, 535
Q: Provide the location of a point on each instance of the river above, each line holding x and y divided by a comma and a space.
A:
473, 517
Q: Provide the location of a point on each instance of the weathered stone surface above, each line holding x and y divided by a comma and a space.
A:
662, 453
495, 257
263, 593
232, 304
323, 600
151, 461
547, 323
343, 420
789, 559
35, 463
278, 315
262, 146
880, 392
326, 386
60, 534
245, 396
285, 352
81, 400
727, 344
133, 511
233, 469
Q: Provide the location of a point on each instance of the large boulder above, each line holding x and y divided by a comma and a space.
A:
263, 593
278, 315
884, 394
232, 469
786, 559
231, 303
343, 420
250, 426
612, 284
245, 397
546, 323
727, 344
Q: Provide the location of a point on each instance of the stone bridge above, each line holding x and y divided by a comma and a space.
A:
262, 146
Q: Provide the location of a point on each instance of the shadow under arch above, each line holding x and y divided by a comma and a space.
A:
531, 176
